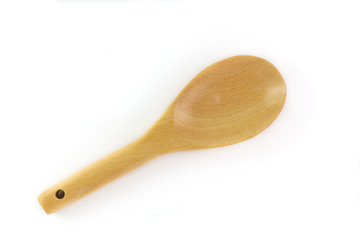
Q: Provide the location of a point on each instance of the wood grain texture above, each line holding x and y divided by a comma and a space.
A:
228, 102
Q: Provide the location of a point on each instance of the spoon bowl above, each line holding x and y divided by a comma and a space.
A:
228, 102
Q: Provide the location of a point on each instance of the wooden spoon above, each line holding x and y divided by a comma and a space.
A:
228, 102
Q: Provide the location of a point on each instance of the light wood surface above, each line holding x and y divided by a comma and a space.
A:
228, 102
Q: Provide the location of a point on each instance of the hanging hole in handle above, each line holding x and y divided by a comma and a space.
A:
60, 194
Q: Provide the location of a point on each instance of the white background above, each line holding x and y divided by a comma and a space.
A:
80, 79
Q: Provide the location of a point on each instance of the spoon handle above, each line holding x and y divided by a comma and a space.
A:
97, 175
